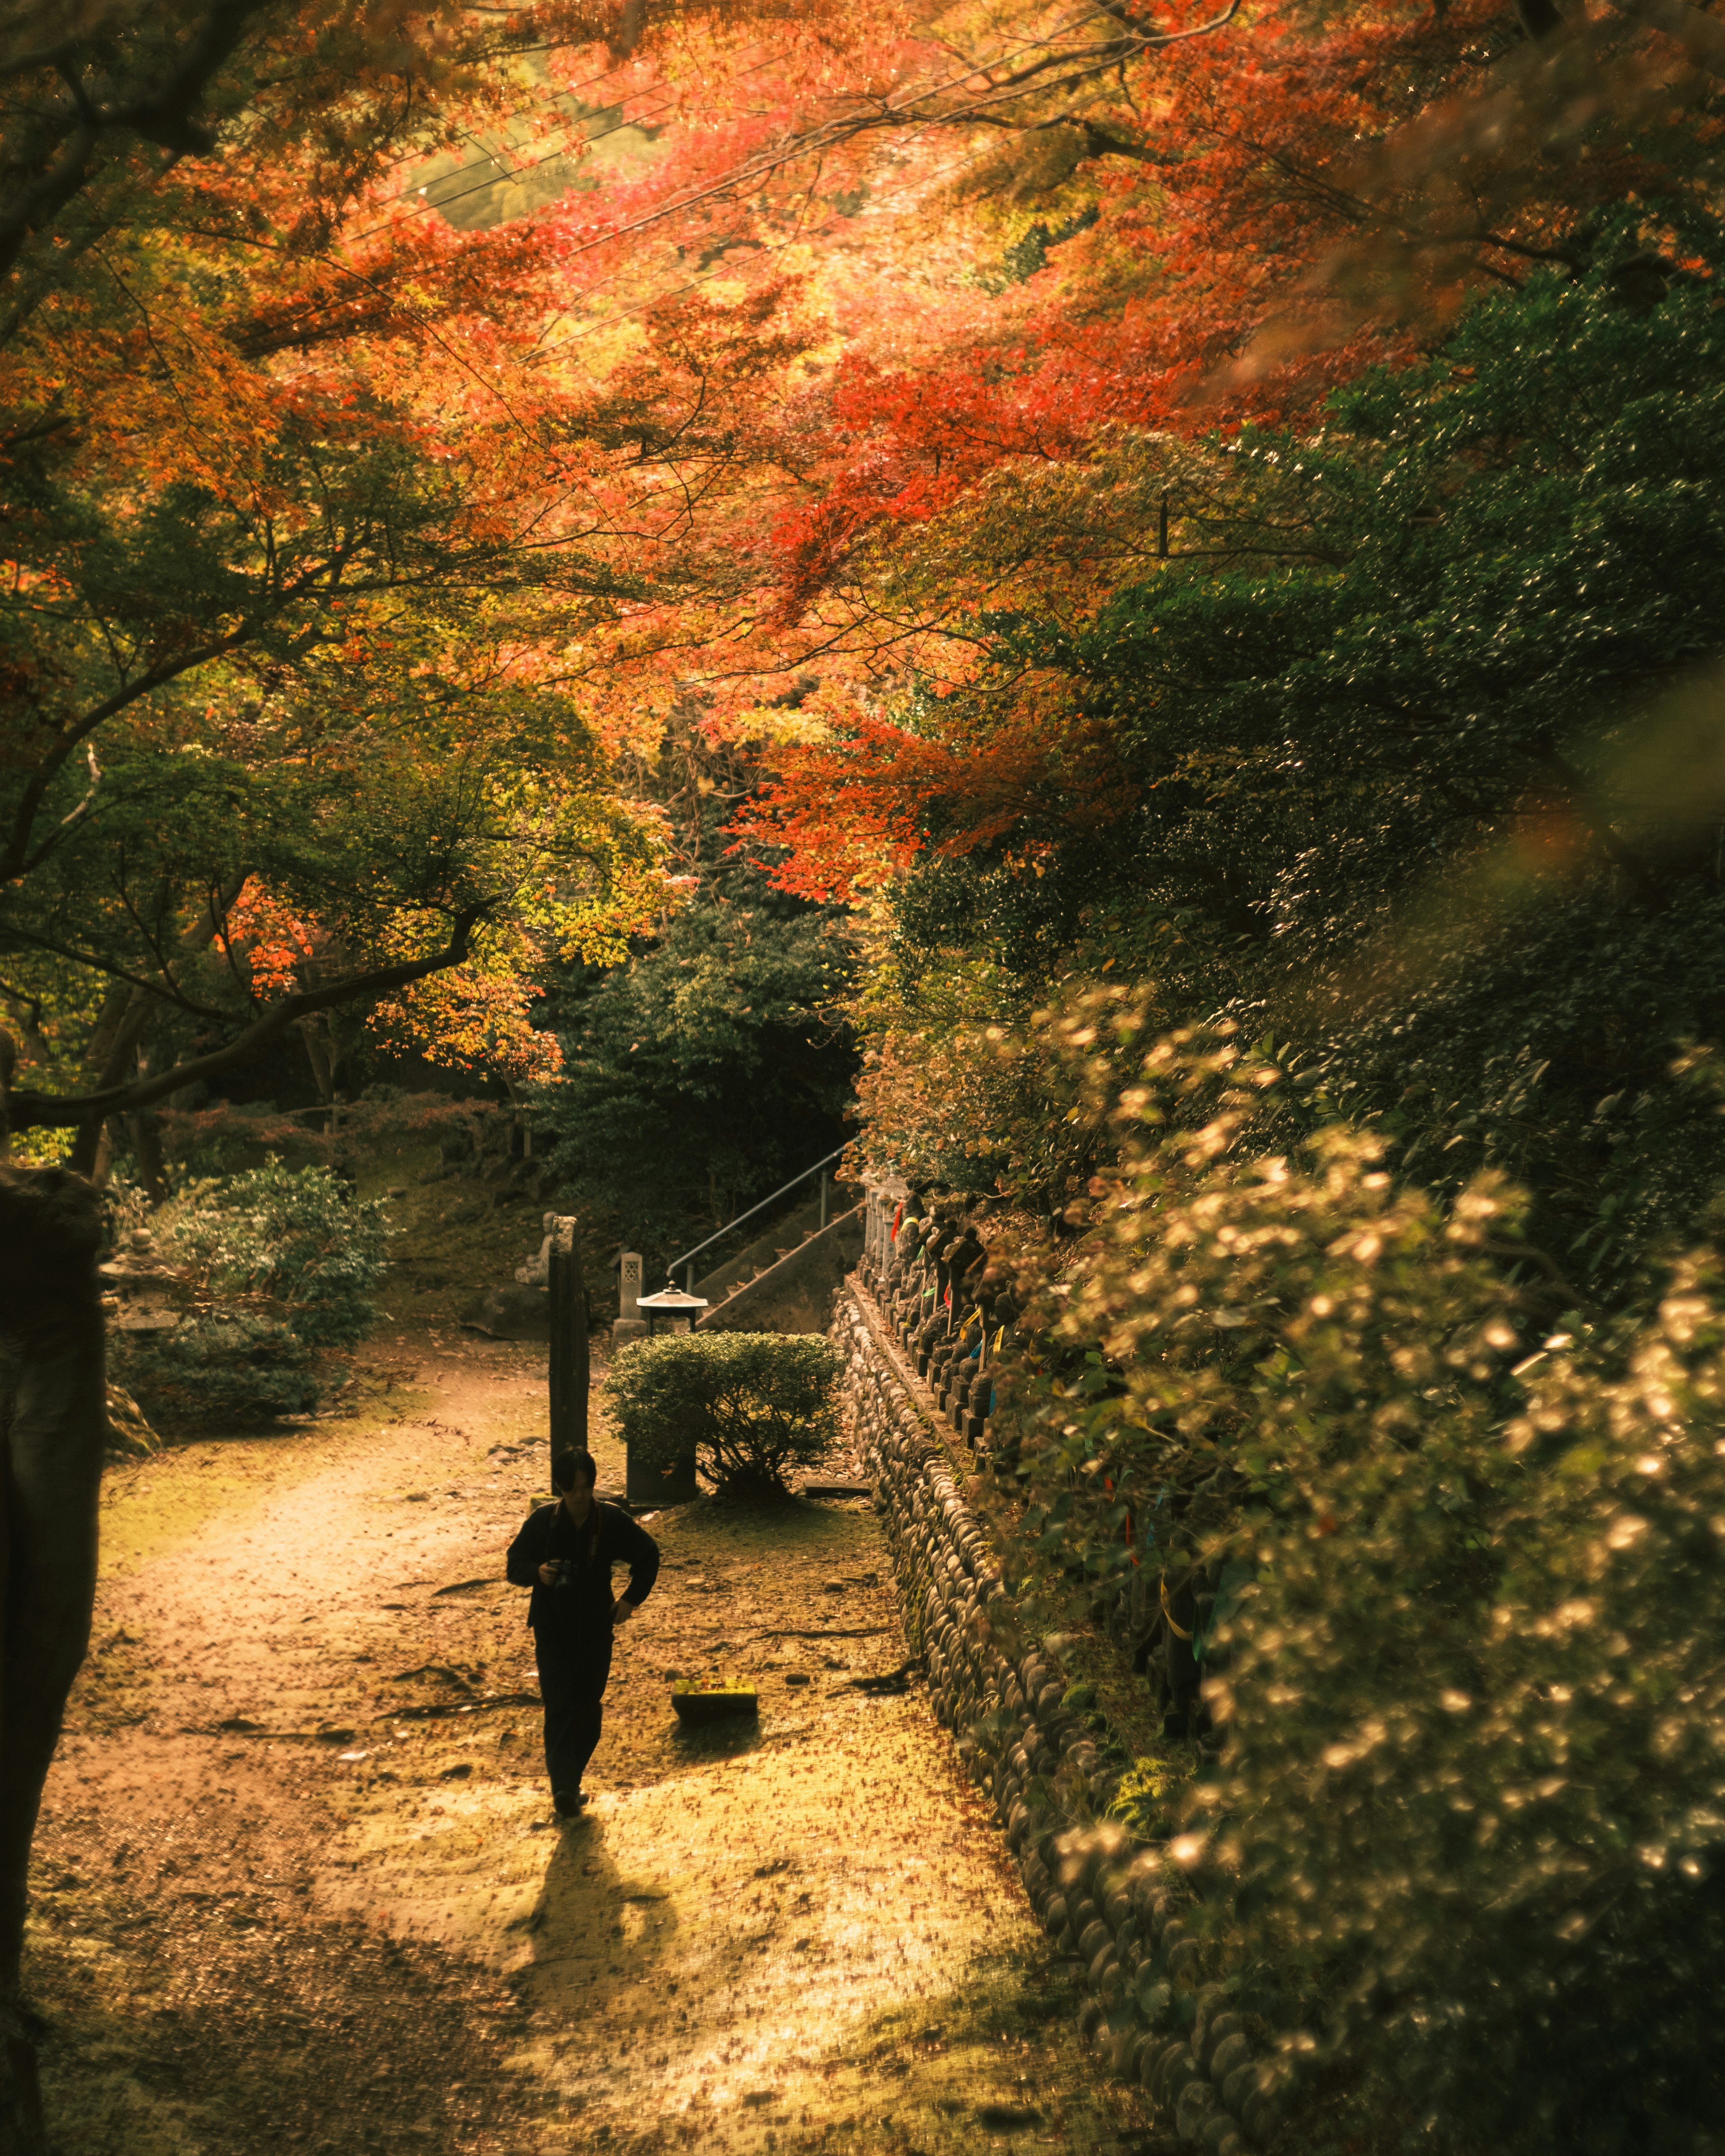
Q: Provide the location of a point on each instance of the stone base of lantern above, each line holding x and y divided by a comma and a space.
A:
649, 1483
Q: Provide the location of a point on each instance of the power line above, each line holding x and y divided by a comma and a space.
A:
508, 119
818, 140
773, 247
330, 313
759, 165
832, 130
504, 177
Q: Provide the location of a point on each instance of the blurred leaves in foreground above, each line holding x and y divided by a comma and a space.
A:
1465, 1829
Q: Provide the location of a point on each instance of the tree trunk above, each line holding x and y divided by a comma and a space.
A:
53, 1426
125, 1018
144, 1131
121, 1026
520, 1132
314, 1031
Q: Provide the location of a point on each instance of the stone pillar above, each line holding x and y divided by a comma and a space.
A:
884, 1195
630, 1324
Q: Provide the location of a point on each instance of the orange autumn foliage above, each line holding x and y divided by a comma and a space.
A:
821, 333
1246, 211
850, 813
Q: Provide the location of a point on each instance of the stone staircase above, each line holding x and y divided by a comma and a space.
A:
787, 1233
786, 1281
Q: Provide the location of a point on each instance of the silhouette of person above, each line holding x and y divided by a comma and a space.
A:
565, 1553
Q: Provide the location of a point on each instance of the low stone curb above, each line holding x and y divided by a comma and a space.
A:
1115, 1902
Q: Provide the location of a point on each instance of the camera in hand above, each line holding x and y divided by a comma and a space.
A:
565, 1568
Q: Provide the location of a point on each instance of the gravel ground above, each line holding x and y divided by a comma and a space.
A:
298, 1887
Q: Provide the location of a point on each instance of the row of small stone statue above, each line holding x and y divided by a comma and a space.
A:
951, 1318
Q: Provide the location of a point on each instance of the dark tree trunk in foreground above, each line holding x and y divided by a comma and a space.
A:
53, 1426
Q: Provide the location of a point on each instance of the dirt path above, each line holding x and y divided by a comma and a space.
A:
298, 1887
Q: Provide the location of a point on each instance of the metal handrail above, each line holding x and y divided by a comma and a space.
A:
689, 1257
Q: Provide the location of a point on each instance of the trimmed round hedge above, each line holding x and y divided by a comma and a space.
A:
752, 1405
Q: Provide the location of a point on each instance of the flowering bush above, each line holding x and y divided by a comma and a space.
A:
1467, 1549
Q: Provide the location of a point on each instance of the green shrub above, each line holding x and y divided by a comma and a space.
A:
1503, 608
232, 1369
227, 1138
751, 1405
276, 1266
1466, 1834
295, 1240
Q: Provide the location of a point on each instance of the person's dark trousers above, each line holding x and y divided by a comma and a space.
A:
572, 1671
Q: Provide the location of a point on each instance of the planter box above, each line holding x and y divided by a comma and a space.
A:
647, 1482
695, 1709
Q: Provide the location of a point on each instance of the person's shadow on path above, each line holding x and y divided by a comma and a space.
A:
597, 1933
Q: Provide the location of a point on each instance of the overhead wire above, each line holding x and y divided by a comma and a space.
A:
508, 119
748, 167
504, 176
624, 313
824, 137
764, 247
331, 312
758, 167
443, 202
751, 169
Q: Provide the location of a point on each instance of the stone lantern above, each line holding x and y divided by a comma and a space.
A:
677, 1311
142, 1290
650, 1482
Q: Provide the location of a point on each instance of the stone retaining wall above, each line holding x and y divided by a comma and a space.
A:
1121, 1906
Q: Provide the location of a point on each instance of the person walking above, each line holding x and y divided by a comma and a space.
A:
565, 1553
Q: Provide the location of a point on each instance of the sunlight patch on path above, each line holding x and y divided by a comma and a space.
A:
814, 1937
338, 1917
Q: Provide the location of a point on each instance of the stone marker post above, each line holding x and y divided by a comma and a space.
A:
630, 1324
569, 1370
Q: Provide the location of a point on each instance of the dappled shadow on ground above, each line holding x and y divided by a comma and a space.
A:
595, 1927
299, 1888
812, 1945
195, 2000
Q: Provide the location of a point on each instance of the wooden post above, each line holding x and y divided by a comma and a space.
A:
569, 1367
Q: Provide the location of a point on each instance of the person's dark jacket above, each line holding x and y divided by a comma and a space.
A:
583, 1601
